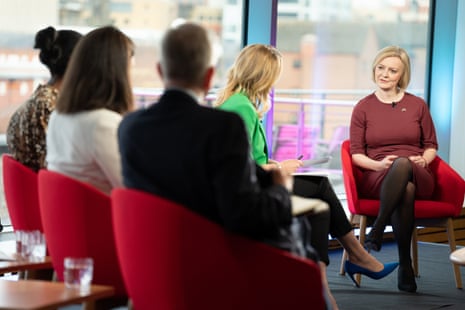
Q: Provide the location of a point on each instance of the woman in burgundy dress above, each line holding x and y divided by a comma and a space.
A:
393, 139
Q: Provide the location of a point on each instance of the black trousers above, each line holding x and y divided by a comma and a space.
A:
334, 222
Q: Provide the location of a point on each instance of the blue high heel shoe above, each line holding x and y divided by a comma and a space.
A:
352, 269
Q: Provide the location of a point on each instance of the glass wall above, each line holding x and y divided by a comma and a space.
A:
328, 47
142, 20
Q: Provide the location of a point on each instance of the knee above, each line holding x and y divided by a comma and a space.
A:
319, 219
402, 164
410, 191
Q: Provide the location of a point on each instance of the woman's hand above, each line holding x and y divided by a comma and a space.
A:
419, 160
387, 162
290, 166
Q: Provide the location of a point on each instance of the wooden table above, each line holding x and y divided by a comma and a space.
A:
41, 295
458, 256
25, 264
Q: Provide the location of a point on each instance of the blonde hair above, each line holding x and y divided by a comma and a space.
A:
394, 51
254, 72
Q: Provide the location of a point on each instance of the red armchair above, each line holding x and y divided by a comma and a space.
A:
172, 258
77, 222
22, 199
446, 203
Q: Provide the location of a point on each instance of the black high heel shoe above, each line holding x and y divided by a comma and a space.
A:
352, 268
374, 240
406, 279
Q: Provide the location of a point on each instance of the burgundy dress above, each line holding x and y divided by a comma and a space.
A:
378, 129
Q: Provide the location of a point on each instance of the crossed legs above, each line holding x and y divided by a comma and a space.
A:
397, 199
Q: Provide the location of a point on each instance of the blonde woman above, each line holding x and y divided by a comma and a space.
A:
394, 158
250, 79
247, 92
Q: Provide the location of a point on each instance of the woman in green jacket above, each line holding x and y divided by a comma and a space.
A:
247, 92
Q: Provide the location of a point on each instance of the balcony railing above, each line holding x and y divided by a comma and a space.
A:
311, 123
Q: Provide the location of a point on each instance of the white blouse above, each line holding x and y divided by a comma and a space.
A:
84, 146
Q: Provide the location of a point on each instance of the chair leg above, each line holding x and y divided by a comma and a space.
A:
453, 246
342, 271
362, 233
414, 248
344, 252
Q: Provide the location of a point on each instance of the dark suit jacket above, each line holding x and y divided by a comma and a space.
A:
199, 157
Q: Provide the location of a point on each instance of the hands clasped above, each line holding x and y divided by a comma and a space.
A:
387, 161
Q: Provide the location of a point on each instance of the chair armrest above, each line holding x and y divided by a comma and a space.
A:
450, 186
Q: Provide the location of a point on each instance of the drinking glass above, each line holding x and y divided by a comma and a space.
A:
78, 272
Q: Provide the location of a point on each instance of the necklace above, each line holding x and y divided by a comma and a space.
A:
390, 99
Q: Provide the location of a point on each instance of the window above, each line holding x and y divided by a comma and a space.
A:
122, 7
142, 20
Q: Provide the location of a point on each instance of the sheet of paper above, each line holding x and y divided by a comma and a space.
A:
316, 161
302, 205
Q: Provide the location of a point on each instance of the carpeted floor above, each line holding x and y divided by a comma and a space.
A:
436, 284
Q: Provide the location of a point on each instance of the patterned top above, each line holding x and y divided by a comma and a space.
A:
26, 130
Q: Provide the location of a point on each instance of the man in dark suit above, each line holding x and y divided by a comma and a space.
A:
199, 156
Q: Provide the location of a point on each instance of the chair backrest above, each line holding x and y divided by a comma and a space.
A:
22, 200
449, 188
173, 258
349, 175
77, 222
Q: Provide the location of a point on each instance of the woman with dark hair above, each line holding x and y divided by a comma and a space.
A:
96, 92
27, 127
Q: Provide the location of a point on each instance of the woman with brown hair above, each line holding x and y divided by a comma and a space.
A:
96, 92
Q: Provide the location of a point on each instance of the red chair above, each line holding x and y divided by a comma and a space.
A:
446, 203
22, 199
173, 258
77, 222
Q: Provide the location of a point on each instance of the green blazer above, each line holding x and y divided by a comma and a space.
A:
240, 104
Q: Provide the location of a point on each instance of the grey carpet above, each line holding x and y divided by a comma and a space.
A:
436, 284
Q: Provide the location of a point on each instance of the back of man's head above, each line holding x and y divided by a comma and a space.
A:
186, 54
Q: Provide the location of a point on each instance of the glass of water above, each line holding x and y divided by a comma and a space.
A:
78, 273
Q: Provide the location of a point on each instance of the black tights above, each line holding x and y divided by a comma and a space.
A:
397, 198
